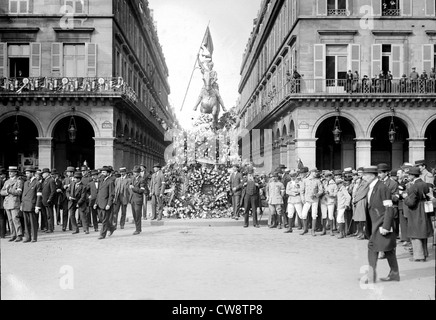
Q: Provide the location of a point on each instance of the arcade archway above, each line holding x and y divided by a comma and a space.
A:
19, 144
430, 145
382, 150
331, 155
66, 153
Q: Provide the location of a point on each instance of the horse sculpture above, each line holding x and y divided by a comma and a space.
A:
210, 98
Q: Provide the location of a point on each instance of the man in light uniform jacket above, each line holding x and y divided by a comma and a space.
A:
311, 191
328, 201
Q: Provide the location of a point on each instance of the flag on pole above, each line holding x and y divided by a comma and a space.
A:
208, 42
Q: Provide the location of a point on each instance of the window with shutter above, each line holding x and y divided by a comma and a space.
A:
19, 6
13, 6
56, 58
427, 57
430, 7
376, 7
397, 60
376, 59
35, 59
91, 59
3, 60
319, 67
321, 7
354, 57
406, 7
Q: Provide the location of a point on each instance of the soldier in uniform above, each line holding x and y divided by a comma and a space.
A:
294, 199
76, 194
3, 217
48, 197
122, 197
311, 191
274, 194
12, 190
328, 201
31, 202
137, 190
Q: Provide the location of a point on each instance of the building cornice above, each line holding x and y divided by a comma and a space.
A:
337, 32
74, 30
392, 32
19, 30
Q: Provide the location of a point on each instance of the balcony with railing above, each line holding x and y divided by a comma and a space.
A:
337, 12
391, 12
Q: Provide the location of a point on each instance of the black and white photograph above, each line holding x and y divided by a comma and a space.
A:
228, 152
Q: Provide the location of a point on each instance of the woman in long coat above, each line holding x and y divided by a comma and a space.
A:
419, 227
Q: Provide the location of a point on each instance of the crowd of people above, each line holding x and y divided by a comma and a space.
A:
378, 204
35, 200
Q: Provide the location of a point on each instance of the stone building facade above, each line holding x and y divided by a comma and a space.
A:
322, 40
96, 66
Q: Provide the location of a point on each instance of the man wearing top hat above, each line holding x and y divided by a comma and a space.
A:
69, 173
12, 190
122, 197
48, 197
76, 194
92, 197
418, 222
157, 191
31, 205
104, 202
137, 189
3, 217
59, 197
379, 226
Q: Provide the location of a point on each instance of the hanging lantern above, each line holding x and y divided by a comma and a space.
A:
392, 132
72, 131
337, 131
16, 132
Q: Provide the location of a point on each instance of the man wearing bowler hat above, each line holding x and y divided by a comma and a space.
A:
76, 195
69, 173
137, 189
12, 190
122, 197
379, 226
48, 197
104, 202
157, 191
31, 205
58, 201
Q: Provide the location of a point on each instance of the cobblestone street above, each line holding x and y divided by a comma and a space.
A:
203, 259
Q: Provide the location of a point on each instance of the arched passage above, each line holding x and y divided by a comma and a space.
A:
20, 148
382, 150
66, 153
430, 145
330, 155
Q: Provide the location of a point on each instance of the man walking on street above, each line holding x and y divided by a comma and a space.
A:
157, 192
76, 194
12, 190
93, 189
104, 202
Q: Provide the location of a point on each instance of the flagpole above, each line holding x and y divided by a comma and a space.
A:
193, 70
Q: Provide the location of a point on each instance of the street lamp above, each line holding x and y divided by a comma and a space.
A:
337, 131
392, 132
16, 132
72, 128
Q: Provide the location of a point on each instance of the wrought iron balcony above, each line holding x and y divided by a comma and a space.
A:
391, 12
67, 86
337, 12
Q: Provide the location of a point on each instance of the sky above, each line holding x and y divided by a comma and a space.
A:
181, 25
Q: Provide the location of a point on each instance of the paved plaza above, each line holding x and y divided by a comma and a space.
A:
203, 260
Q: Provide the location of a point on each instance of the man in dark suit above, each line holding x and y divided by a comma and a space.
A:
146, 177
93, 189
157, 191
66, 184
86, 180
251, 197
380, 222
137, 190
58, 199
419, 227
48, 196
236, 190
31, 205
104, 202
76, 195
122, 197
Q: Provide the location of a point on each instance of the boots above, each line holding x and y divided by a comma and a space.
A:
360, 236
300, 227
331, 228
313, 232
324, 230
341, 231
304, 227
